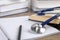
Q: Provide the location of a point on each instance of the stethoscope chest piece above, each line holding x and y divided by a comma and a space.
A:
37, 28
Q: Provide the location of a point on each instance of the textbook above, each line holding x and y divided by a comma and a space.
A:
9, 7
39, 5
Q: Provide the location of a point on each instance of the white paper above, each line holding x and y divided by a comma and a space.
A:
5, 2
2, 36
11, 27
45, 4
13, 12
14, 6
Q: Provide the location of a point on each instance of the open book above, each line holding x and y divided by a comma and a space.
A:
11, 27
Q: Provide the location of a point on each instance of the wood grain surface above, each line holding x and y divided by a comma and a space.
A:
44, 18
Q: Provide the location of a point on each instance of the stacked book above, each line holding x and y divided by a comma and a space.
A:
8, 7
39, 5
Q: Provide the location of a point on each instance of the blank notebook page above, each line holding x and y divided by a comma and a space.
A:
2, 36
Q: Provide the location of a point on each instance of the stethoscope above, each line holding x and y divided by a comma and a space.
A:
42, 12
39, 28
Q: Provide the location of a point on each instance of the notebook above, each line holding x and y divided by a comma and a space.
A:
2, 36
11, 27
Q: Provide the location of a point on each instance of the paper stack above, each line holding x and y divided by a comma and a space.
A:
8, 7
39, 5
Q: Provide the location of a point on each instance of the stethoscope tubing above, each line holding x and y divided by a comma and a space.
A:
42, 12
50, 19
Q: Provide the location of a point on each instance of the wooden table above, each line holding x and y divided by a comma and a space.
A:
51, 37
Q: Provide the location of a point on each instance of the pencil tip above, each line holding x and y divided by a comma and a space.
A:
8, 39
20, 25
